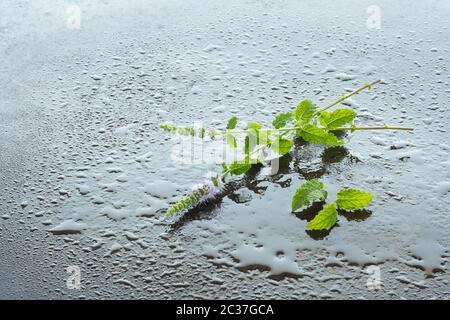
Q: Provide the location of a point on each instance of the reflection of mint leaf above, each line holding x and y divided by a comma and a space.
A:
325, 219
232, 122
308, 192
312, 133
353, 199
239, 167
282, 119
337, 118
304, 111
282, 145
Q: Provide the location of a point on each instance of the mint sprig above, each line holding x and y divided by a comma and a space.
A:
306, 121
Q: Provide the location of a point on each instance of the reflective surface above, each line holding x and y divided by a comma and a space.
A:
86, 174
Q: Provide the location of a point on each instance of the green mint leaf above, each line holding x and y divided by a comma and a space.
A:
314, 134
282, 119
353, 199
239, 167
263, 137
251, 139
282, 145
215, 180
225, 171
308, 192
325, 219
304, 111
232, 122
254, 138
254, 125
337, 118
246, 145
231, 139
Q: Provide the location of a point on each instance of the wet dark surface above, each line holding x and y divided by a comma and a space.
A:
82, 155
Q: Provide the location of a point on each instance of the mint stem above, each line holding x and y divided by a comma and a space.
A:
371, 128
385, 127
348, 95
